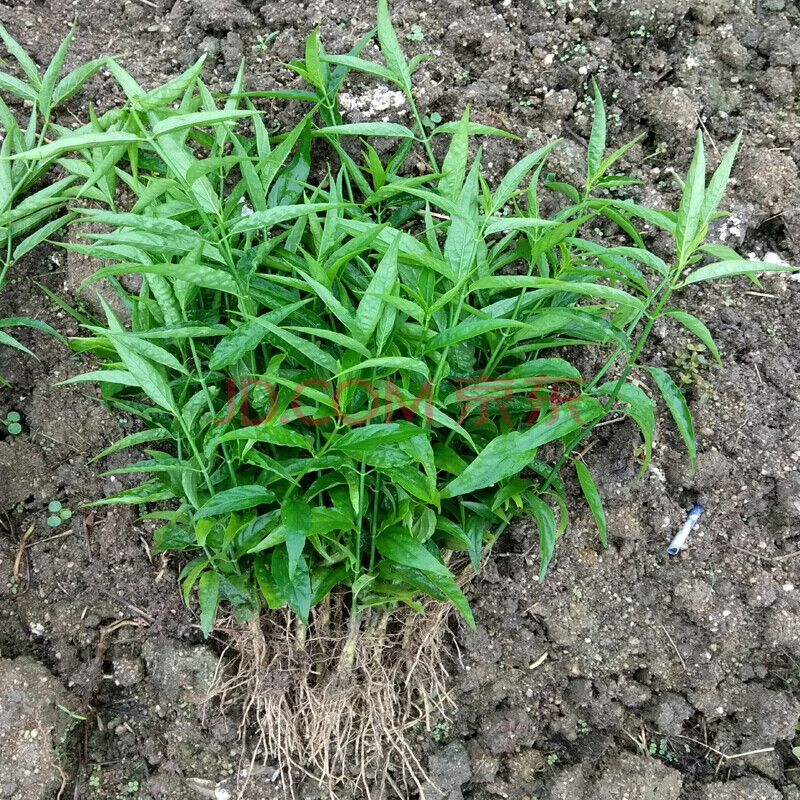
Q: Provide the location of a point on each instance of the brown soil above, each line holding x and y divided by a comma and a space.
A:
627, 673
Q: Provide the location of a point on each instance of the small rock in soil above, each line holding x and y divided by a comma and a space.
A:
449, 769
179, 670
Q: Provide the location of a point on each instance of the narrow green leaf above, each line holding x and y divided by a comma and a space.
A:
197, 119
399, 546
296, 520
369, 437
79, 141
296, 589
393, 129
454, 167
235, 499
392, 363
510, 453
691, 202
23, 59
676, 403
280, 435
133, 439
546, 523
593, 499
718, 182
51, 74
382, 282
726, 269
390, 47
208, 596
698, 328
265, 220
73, 81
516, 175
597, 138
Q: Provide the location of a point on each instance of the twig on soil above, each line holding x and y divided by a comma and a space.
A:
50, 538
107, 631
127, 605
763, 294
710, 137
672, 642
723, 756
21, 552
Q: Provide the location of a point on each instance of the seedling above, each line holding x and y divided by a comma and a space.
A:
430, 121
263, 41
58, 514
415, 34
12, 423
691, 364
95, 776
441, 732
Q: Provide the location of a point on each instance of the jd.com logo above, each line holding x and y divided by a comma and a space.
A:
546, 395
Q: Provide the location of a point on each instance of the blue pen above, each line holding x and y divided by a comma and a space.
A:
676, 545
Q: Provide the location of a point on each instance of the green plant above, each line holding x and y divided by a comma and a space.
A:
263, 41
441, 732
430, 121
406, 408
133, 786
415, 34
96, 776
691, 363
662, 749
552, 759
19, 174
12, 423
58, 514
24, 208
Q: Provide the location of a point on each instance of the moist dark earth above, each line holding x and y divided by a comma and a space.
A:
626, 675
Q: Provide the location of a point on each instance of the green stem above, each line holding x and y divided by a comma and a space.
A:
374, 530
204, 386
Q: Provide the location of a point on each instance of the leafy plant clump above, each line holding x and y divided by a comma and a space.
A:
348, 373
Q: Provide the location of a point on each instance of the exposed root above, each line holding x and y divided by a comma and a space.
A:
334, 701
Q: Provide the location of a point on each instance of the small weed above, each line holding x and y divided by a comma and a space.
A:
416, 34
441, 732
552, 759
432, 120
691, 363
96, 776
263, 42
661, 749
12, 423
461, 75
133, 786
583, 727
58, 514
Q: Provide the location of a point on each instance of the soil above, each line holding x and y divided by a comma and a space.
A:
628, 673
